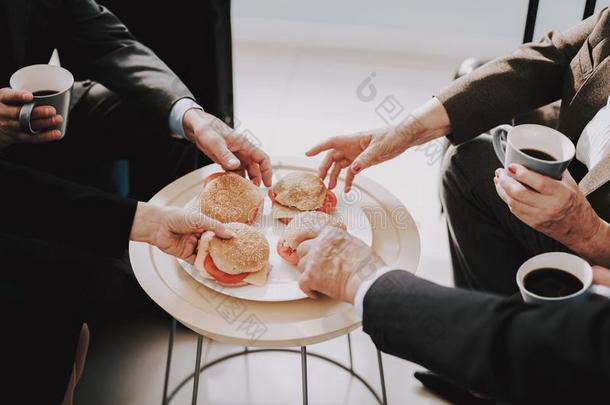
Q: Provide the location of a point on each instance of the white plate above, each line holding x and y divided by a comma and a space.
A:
283, 281
281, 324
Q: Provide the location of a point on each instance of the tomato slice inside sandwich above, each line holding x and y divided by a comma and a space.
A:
329, 203
212, 177
289, 254
272, 196
220, 275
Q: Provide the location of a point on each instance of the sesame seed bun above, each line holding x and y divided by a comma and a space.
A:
258, 278
300, 190
231, 198
247, 252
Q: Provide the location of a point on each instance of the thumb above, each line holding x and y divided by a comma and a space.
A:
198, 222
223, 155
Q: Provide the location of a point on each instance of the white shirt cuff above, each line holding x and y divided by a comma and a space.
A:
176, 115
364, 288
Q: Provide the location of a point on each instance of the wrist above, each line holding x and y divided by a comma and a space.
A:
427, 122
351, 288
145, 223
594, 245
192, 121
601, 253
363, 275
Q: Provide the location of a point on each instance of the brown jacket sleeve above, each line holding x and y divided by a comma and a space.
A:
529, 78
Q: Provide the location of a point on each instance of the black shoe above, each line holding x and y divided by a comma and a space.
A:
448, 390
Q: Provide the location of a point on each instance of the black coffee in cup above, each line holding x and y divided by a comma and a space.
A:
538, 154
552, 282
538, 148
44, 93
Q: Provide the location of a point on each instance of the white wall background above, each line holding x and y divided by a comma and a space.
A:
435, 27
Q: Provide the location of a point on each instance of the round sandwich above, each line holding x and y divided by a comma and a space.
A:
235, 262
228, 197
299, 192
302, 223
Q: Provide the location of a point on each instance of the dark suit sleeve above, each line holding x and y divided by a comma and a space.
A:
41, 206
97, 46
529, 78
495, 346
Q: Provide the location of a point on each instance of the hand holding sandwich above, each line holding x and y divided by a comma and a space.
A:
175, 231
368, 148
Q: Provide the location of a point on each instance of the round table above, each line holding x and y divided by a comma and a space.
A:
269, 326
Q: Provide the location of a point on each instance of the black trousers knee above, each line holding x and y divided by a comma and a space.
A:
487, 242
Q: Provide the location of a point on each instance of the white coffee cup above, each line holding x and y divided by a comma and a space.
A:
563, 261
37, 78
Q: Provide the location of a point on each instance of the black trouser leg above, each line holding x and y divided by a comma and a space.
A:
103, 128
46, 292
37, 351
488, 243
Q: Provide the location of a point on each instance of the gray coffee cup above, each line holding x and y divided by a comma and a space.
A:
55, 80
509, 143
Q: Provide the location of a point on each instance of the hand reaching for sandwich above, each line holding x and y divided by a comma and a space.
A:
231, 150
368, 148
175, 231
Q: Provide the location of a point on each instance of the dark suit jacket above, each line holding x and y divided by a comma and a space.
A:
43, 207
93, 44
499, 347
571, 66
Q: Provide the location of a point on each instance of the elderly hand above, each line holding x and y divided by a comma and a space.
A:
226, 147
556, 208
175, 231
358, 152
42, 117
368, 148
335, 264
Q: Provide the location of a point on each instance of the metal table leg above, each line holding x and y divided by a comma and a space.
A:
349, 347
168, 363
384, 395
197, 369
304, 373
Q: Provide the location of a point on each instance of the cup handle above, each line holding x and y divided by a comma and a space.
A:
25, 118
601, 290
498, 139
